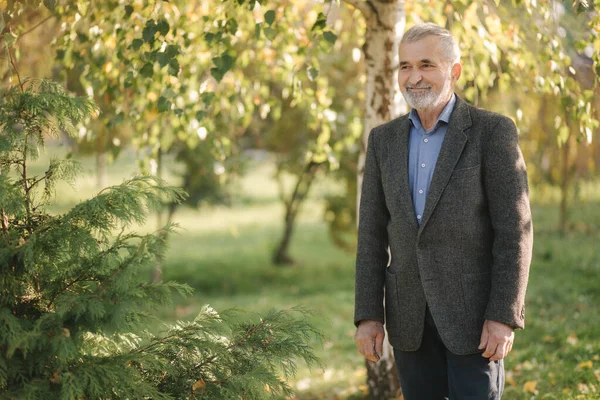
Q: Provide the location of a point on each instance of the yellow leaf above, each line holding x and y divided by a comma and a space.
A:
67, 332
585, 364
597, 374
530, 386
511, 381
55, 378
199, 384
548, 339
596, 358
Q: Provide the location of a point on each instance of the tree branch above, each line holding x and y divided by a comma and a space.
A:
362, 6
12, 62
34, 27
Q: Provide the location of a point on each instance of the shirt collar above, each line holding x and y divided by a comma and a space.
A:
444, 115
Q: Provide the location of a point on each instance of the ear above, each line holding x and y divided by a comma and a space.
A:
456, 71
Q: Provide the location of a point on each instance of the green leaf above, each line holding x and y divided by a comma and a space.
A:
136, 44
217, 73
149, 31
200, 115
207, 97
270, 33
163, 104
232, 25
270, 17
162, 58
330, 37
163, 27
227, 61
147, 70
320, 23
173, 67
257, 31
50, 4
129, 79
312, 73
128, 11
172, 50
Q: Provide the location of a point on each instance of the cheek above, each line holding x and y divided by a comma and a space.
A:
402, 78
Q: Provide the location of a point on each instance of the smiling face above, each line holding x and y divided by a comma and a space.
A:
426, 77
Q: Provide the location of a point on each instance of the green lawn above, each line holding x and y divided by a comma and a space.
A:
224, 253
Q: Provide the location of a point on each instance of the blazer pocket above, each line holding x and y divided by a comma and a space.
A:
465, 172
392, 311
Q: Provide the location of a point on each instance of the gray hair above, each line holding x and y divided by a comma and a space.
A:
447, 41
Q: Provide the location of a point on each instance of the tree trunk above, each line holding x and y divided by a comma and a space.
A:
292, 207
385, 24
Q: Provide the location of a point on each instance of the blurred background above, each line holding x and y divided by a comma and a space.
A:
259, 110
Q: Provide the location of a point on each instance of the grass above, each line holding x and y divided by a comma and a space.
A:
224, 253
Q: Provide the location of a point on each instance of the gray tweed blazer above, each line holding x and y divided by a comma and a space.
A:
469, 259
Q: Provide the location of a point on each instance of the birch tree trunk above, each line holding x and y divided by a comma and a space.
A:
385, 22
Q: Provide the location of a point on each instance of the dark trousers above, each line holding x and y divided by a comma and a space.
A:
434, 373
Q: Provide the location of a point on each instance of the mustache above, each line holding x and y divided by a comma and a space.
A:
421, 86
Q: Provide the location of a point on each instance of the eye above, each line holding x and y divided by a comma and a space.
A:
404, 67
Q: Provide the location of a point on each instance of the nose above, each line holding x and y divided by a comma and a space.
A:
415, 77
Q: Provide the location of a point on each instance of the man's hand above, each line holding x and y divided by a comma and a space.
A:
497, 340
369, 339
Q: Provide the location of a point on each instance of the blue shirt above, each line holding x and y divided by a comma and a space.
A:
424, 149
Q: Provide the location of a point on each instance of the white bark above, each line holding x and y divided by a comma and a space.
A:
385, 25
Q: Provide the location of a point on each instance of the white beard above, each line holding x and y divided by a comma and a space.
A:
430, 99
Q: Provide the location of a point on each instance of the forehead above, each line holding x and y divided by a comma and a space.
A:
427, 48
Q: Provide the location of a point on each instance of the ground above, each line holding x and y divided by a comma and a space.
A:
224, 254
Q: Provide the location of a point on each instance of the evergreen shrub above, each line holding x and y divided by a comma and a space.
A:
75, 307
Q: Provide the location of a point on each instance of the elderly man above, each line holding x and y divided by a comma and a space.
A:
445, 228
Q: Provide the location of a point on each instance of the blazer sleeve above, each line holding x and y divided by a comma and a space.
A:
372, 254
505, 180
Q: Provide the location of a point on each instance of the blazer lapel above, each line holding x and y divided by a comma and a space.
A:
398, 147
451, 150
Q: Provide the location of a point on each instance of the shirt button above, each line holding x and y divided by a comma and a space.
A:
418, 217
426, 140
422, 165
420, 191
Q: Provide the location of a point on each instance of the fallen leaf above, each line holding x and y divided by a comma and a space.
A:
548, 339
55, 378
583, 388
596, 357
597, 374
585, 364
511, 381
199, 385
530, 386
67, 332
